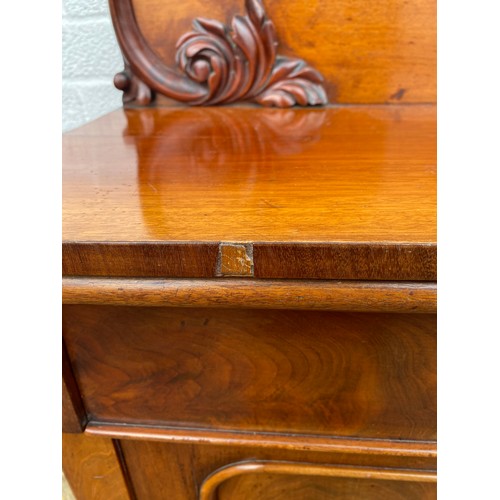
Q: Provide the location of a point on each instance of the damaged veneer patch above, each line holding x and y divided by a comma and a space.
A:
235, 259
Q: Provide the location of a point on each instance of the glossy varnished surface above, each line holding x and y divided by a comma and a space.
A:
388, 448
240, 174
160, 470
92, 468
266, 480
296, 487
246, 293
273, 210
333, 374
350, 179
74, 417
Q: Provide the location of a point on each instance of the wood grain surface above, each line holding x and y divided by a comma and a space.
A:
159, 470
216, 63
92, 468
300, 487
417, 451
359, 296
333, 193
368, 53
265, 367
271, 479
74, 415
323, 373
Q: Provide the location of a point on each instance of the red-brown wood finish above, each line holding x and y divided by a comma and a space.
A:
270, 479
269, 213
183, 471
74, 415
154, 192
336, 374
418, 451
385, 52
360, 296
92, 468
241, 284
216, 63
312, 487
259, 236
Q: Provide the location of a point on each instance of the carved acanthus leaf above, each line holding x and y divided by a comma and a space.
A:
236, 63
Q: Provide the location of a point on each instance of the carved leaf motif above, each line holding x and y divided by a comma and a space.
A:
293, 82
255, 11
240, 63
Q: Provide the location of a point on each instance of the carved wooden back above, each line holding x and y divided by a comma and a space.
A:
340, 51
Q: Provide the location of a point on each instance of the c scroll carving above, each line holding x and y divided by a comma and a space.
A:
216, 64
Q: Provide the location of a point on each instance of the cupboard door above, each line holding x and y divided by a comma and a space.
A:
299, 481
180, 471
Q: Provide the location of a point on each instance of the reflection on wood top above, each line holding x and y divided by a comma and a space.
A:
341, 174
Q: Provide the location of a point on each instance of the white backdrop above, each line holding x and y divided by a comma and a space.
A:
91, 58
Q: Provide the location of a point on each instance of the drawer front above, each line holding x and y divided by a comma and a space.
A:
323, 373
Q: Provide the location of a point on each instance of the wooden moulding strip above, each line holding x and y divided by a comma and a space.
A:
209, 487
414, 449
404, 297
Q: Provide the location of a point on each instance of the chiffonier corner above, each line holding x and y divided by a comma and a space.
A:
249, 256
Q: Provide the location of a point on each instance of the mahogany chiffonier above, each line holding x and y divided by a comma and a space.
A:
249, 257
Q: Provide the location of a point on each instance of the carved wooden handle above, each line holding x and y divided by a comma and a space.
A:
216, 64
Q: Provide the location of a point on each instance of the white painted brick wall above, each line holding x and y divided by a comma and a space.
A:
91, 58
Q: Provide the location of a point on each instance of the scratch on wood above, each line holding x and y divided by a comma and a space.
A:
235, 259
398, 95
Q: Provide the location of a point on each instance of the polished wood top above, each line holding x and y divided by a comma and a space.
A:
355, 178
